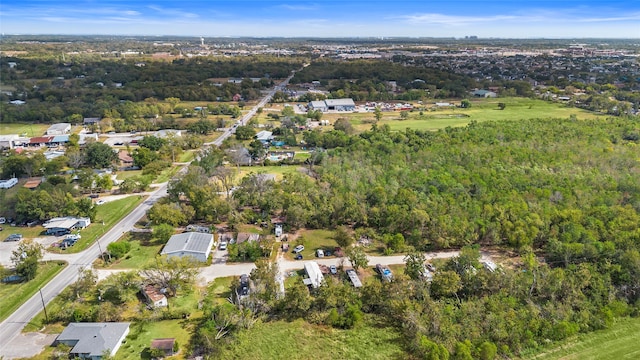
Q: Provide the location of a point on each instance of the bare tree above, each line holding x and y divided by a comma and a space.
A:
171, 273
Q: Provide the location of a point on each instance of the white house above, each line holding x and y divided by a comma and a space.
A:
59, 129
93, 340
195, 244
65, 224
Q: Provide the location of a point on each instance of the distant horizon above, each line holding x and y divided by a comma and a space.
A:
490, 19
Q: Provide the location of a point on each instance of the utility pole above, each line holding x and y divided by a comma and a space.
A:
46, 317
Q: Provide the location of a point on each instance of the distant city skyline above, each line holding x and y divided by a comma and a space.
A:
328, 18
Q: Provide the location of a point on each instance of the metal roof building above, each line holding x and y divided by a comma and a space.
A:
193, 244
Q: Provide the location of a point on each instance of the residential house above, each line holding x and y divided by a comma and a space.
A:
154, 296
195, 244
247, 237
90, 121
264, 136
59, 129
93, 340
125, 159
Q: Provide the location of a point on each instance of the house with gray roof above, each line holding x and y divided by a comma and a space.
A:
93, 340
195, 244
59, 129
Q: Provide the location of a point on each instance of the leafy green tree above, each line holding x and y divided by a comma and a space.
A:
170, 214
151, 142
377, 113
25, 259
462, 351
172, 273
99, 155
143, 156
119, 249
357, 257
446, 283
404, 115
343, 237
487, 350
415, 265
162, 233
344, 125
256, 149
245, 132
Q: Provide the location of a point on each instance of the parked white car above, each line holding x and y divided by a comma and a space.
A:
298, 249
223, 245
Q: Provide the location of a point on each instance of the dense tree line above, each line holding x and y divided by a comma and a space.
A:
56, 90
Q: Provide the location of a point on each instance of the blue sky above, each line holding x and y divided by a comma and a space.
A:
326, 18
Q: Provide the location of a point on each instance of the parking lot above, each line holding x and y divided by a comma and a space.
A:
7, 248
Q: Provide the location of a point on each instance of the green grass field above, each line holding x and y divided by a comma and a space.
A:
136, 345
139, 255
313, 240
14, 295
29, 130
480, 111
278, 170
301, 340
618, 342
108, 214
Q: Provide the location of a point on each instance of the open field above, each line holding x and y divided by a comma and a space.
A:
20, 128
13, 295
108, 214
141, 253
618, 342
278, 170
301, 340
137, 343
480, 111
313, 239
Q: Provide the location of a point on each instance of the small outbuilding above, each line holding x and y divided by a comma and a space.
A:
314, 274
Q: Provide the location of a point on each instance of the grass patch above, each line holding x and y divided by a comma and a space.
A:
27, 232
278, 170
142, 252
312, 240
301, 340
123, 175
167, 174
480, 111
12, 296
617, 342
108, 215
219, 290
186, 156
136, 345
30, 130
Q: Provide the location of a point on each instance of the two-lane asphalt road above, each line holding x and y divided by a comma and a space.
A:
12, 326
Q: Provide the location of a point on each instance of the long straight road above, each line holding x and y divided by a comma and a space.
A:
10, 328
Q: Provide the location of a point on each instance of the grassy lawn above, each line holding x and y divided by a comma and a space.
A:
167, 174
141, 253
301, 340
20, 128
14, 295
27, 232
122, 175
219, 290
481, 110
278, 170
108, 214
312, 240
186, 156
618, 342
137, 343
